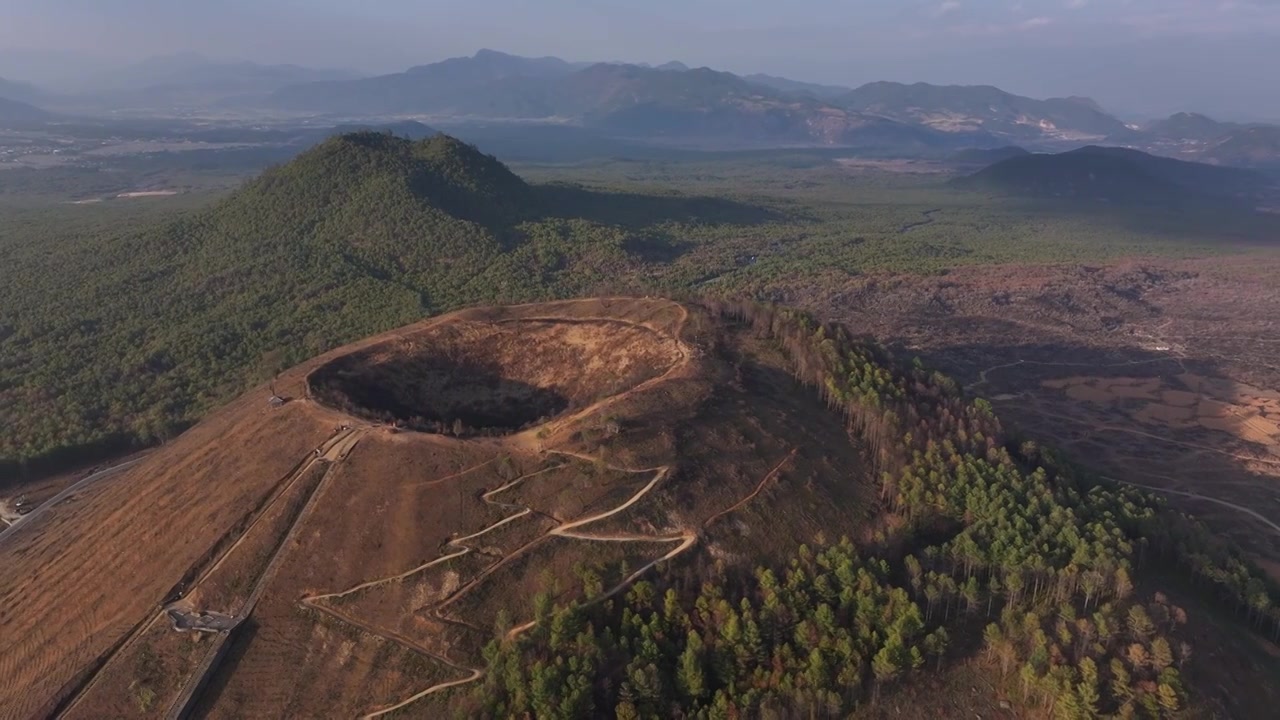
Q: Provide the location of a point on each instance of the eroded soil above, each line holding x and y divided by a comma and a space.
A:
1156, 372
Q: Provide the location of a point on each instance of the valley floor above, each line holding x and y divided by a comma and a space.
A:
1160, 373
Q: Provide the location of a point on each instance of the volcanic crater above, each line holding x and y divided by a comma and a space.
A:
475, 377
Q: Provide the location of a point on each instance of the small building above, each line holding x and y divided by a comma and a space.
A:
275, 401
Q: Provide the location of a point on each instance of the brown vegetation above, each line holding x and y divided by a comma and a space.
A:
1158, 372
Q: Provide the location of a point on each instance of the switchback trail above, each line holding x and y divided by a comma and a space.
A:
686, 539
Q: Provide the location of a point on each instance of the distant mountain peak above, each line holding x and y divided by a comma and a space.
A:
440, 173
1189, 126
20, 91
965, 108
1116, 175
14, 113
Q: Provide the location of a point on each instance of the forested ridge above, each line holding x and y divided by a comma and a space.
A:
994, 548
990, 547
121, 340
117, 330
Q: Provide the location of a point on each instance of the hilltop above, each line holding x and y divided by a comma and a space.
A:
363, 232
704, 103
614, 506
410, 129
824, 92
362, 226
1116, 175
1189, 126
488, 83
20, 91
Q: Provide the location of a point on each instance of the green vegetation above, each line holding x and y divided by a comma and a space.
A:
123, 321
1119, 175
988, 542
120, 323
123, 338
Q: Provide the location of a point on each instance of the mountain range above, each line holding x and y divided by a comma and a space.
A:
957, 108
670, 103
1257, 146
631, 100
674, 101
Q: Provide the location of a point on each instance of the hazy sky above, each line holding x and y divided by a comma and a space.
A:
1133, 55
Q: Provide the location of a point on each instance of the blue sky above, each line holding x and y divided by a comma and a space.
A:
1149, 55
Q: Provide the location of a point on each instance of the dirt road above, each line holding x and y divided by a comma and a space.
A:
685, 540
52, 502
1205, 498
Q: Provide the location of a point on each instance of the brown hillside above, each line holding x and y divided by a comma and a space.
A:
413, 490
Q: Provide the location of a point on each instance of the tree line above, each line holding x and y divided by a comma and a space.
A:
1000, 546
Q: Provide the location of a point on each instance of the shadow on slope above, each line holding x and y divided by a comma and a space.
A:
636, 210
1132, 415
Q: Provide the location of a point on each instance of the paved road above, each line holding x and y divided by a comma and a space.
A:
72, 490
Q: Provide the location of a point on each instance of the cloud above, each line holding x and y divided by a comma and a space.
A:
947, 6
990, 29
1035, 22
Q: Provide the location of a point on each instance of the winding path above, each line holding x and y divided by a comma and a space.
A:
72, 490
1153, 436
530, 439
777, 469
562, 530
1197, 496
686, 539
982, 380
982, 375
928, 220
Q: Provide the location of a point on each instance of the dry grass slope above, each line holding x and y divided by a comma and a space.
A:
367, 533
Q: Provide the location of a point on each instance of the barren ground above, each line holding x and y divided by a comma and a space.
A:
1156, 372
